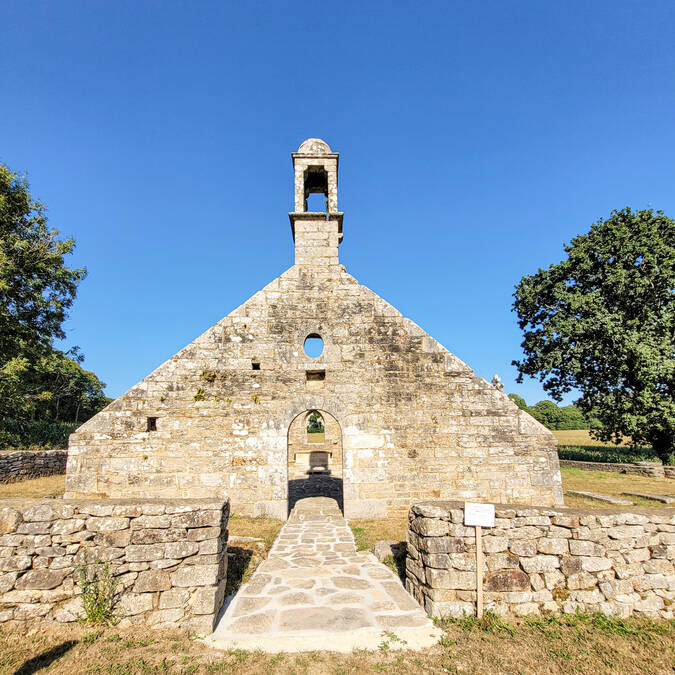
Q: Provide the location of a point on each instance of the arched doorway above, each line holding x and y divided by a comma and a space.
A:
314, 457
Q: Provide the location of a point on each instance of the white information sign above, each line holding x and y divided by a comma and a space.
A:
479, 515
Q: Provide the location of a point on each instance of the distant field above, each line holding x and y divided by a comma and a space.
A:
581, 437
47, 486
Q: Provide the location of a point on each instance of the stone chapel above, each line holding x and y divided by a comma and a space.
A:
315, 386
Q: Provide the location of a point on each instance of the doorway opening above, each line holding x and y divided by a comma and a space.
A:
315, 458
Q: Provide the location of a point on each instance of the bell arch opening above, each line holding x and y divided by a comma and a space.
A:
315, 458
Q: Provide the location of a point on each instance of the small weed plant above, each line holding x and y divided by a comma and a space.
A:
98, 592
389, 638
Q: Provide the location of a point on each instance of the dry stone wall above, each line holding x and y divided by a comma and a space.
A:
16, 465
536, 560
168, 559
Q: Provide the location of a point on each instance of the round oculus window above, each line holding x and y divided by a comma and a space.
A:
313, 346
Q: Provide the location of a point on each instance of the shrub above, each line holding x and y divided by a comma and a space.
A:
25, 433
595, 453
98, 592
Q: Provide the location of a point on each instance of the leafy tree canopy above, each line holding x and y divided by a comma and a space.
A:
602, 321
519, 401
36, 286
36, 290
553, 416
315, 424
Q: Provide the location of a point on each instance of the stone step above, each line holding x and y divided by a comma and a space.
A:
609, 499
665, 499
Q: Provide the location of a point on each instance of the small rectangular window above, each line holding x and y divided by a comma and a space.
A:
152, 424
256, 366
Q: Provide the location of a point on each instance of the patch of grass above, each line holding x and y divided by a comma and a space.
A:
579, 445
241, 564
360, 538
90, 638
490, 623
612, 483
368, 532
36, 434
618, 626
396, 563
47, 486
388, 639
262, 528
621, 455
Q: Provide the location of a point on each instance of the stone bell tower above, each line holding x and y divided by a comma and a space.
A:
316, 235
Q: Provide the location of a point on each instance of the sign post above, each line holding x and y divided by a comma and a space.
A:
479, 516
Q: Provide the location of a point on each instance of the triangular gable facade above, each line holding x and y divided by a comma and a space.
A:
232, 414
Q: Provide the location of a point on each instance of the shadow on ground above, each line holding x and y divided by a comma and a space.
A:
315, 485
238, 561
45, 659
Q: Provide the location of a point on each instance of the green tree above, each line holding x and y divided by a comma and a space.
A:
572, 418
56, 388
315, 424
546, 412
36, 286
602, 321
519, 401
36, 291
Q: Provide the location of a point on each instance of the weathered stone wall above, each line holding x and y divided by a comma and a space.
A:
16, 465
543, 560
168, 558
416, 422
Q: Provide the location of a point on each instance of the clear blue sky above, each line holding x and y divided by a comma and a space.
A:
475, 138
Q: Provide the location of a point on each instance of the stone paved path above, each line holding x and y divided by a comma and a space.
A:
315, 592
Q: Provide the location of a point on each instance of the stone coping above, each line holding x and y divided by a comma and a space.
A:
102, 501
544, 510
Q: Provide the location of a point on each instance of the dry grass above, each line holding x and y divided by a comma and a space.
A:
244, 557
48, 486
582, 437
611, 483
262, 528
586, 645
